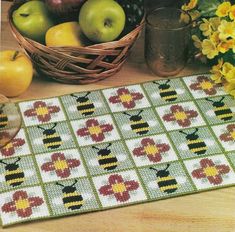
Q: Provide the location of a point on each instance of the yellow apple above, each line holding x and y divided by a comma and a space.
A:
16, 72
66, 34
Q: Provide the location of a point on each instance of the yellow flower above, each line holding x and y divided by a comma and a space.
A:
232, 13
205, 27
194, 14
223, 9
228, 71
192, 4
216, 71
215, 22
230, 88
215, 38
226, 30
224, 46
197, 42
209, 49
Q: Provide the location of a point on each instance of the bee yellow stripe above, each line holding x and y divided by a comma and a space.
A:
166, 90
17, 171
169, 97
137, 122
141, 129
166, 178
75, 203
13, 181
109, 165
222, 108
198, 149
105, 157
52, 136
84, 103
225, 115
164, 188
194, 141
53, 144
88, 110
71, 194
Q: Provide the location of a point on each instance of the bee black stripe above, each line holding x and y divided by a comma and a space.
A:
166, 94
108, 161
222, 112
72, 199
140, 125
166, 182
86, 107
197, 145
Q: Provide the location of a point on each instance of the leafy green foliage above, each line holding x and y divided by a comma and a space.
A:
208, 8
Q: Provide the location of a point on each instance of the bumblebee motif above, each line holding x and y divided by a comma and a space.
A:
194, 143
3, 117
165, 182
221, 110
51, 139
106, 159
167, 93
138, 124
72, 199
84, 105
14, 176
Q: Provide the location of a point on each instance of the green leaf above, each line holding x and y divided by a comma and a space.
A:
208, 7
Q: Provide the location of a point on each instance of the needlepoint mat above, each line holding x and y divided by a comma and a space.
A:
103, 149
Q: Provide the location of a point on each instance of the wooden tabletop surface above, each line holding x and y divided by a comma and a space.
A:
212, 211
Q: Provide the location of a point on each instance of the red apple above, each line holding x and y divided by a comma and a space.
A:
65, 9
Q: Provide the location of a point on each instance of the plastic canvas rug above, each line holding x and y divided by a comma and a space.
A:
104, 149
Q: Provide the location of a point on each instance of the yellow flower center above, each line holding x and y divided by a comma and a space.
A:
180, 116
42, 111
119, 188
206, 85
126, 98
60, 165
211, 171
22, 204
151, 149
95, 130
233, 135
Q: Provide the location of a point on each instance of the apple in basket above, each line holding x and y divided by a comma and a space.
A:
102, 20
66, 10
32, 20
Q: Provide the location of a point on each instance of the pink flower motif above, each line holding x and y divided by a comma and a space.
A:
10, 148
229, 135
22, 204
42, 111
180, 115
126, 98
211, 171
95, 130
60, 165
119, 188
151, 150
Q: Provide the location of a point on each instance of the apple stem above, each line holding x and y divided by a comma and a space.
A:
24, 15
15, 55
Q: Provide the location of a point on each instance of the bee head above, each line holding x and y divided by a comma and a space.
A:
48, 131
103, 151
191, 136
12, 166
69, 188
162, 173
81, 99
163, 85
217, 103
136, 117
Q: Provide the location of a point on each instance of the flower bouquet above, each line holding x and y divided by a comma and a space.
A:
214, 36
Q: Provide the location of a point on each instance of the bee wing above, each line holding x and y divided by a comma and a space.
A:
65, 137
180, 179
29, 173
57, 201
94, 162
97, 104
2, 177
121, 157
72, 108
152, 184
179, 91
87, 196
210, 113
38, 141
209, 142
152, 123
183, 146
156, 95
126, 127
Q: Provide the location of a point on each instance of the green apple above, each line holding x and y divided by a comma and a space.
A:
102, 20
32, 20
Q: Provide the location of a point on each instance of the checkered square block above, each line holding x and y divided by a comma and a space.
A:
102, 149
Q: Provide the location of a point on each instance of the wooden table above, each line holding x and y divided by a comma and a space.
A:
209, 211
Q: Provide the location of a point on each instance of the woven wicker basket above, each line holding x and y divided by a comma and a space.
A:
76, 65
